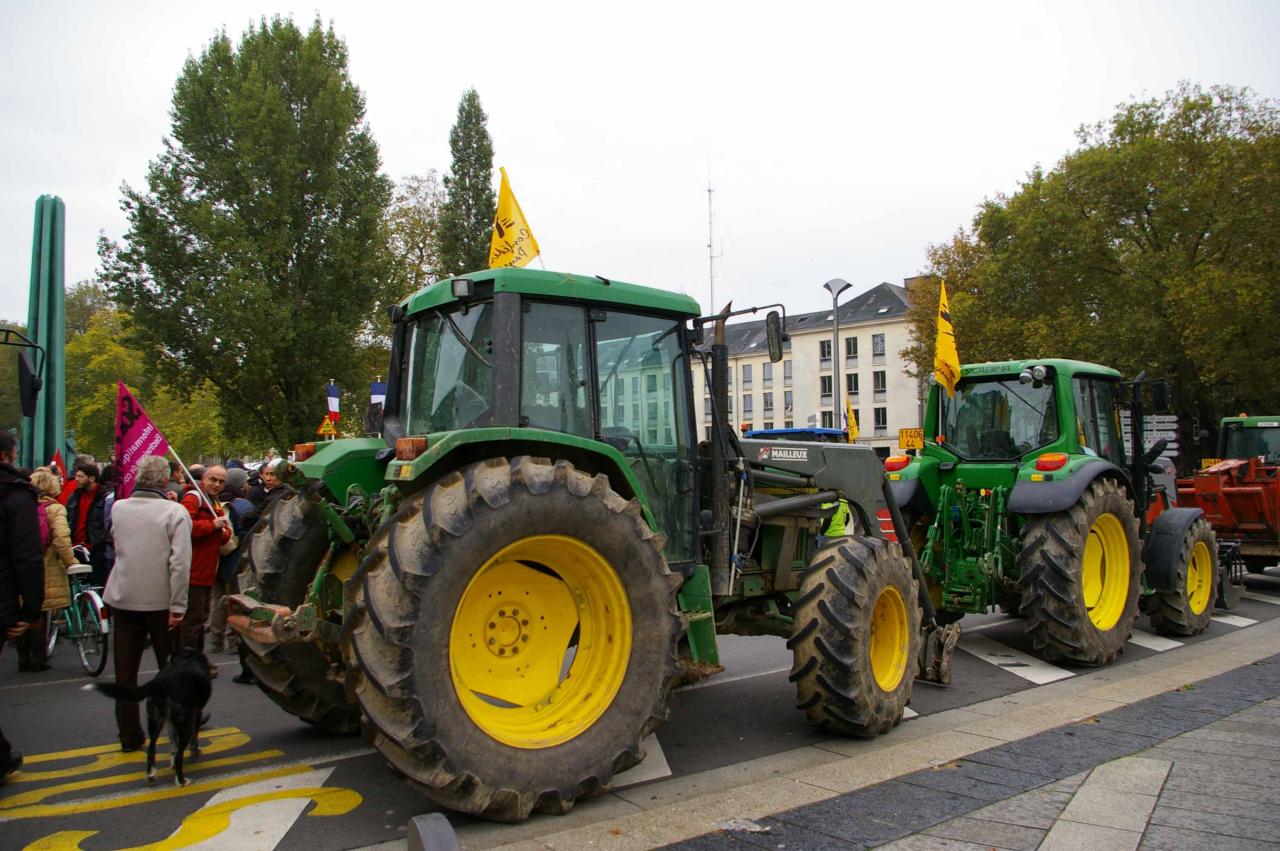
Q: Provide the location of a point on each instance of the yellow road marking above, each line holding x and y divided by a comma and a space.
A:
35, 796
208, 822
94, 750
79, 807
115, 757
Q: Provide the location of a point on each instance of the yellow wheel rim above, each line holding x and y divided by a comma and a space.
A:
1199, 578
1105, 578
890, 639
540, 641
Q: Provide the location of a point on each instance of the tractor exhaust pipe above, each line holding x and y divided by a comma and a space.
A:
721, 572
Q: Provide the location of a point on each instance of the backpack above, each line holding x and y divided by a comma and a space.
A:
45, 532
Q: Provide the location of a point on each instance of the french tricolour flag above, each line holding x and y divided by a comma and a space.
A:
332, 392
377, 392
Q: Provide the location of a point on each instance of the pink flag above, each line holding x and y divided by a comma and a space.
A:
136, 438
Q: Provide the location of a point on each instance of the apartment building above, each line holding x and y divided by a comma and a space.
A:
798, 391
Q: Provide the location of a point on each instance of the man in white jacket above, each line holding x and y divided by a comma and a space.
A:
147, 589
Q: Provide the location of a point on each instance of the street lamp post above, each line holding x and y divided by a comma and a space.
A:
835, 286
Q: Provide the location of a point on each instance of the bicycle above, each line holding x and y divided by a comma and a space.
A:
84, 622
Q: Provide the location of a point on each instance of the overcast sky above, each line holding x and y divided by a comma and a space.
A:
840, 138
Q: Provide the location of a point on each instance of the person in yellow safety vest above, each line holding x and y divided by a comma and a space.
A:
835, 526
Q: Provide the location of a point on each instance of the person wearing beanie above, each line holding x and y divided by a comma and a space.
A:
238, 508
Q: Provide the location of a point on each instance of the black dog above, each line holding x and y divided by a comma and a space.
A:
177, 695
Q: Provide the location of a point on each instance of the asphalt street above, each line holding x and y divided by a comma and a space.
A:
268, 781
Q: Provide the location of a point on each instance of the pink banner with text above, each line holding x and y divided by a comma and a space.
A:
136, 438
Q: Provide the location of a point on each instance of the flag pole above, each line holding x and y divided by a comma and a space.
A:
199, 491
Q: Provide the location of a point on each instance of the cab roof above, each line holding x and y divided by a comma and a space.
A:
1253, 422
1013, 367
558, 285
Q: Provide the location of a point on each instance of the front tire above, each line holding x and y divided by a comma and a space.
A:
92, 643
1080, 575
280, 560
1187, 610
856, 637
511, 637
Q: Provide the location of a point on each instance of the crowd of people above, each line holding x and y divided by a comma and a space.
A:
165, 557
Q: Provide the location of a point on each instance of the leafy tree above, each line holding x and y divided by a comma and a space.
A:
256, 256
466, 223
83, 301
413, 224
1154, 245
10, 404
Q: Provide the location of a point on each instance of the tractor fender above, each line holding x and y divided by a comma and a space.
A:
909, 494
1059, 495
1164, 546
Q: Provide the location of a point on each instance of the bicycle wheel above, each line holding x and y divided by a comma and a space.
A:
51, 633
92, 641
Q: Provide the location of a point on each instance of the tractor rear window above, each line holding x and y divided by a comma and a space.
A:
997, 419
450, 374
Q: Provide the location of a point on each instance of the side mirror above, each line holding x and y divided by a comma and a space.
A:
29, 384
773, 332
1160, 397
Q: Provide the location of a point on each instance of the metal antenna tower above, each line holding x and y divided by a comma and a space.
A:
711, 255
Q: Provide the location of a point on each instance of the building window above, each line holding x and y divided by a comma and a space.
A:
788, 424
635, 414
857, 418
824, 354
788, 400
850, 351
768, 424
746, 376
768, 404
882, 421
766, 374
635, 385
730, 411
706, 433
732, 369
786, 373
666, 384
653, 412
824, 385
877, 349
651, 383
746, 406
620, 414
827, 420
851, 386
619, 388
879, 385
706, 414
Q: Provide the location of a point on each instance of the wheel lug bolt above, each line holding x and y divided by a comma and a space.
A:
502, 613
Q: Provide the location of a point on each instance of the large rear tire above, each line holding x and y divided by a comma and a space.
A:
856, 637
511, 637
1187, 611
1080, 575
280, 560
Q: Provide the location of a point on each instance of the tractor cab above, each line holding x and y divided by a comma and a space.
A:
1250, 437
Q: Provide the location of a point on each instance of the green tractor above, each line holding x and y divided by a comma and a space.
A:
1025, 497
505, 588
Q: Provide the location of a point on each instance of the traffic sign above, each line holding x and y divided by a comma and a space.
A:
326, 428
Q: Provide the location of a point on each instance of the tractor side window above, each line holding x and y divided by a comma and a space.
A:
450, 374
1098, 419
554, 369
653, 437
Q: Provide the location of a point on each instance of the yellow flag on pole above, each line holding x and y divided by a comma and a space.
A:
513, 243
851, 419
946, 363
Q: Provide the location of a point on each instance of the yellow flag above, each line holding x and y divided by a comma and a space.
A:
851, 421
946, 363
513, 243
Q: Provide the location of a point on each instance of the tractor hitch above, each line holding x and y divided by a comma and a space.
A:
266, 623
935, 653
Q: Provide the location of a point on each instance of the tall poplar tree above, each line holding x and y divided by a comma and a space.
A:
256, 257
466, 222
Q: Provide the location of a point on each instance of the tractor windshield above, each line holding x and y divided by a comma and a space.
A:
1254, 442
997, 419
449, 370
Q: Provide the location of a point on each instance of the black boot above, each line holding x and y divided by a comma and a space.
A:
23, 643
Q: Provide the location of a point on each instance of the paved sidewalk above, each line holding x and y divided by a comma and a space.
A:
1196, 767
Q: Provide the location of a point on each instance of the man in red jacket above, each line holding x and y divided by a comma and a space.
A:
210, 529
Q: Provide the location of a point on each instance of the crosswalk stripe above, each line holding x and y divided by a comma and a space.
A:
1013, 661
1151, 641
654, 766
1234, 620
1262, 598
908, 712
